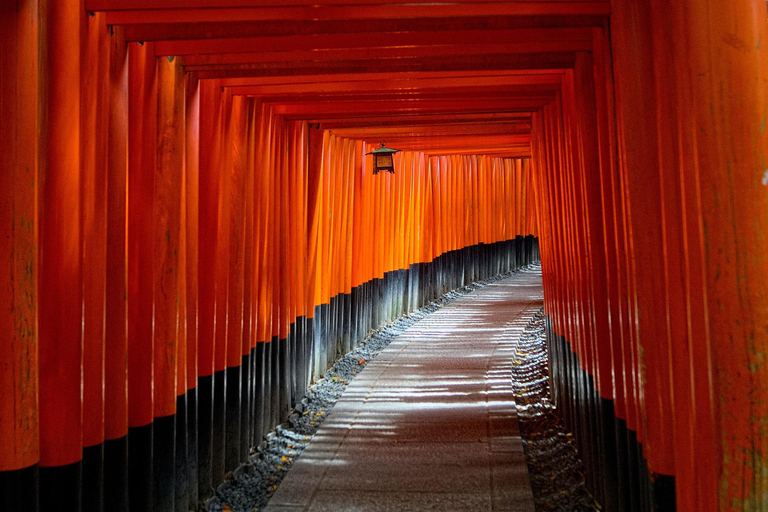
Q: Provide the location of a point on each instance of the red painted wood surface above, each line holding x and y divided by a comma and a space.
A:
116, 335
142, 140
167, 273
19, 236
192, 234
94, 115
60, 258
207, 225
168, 205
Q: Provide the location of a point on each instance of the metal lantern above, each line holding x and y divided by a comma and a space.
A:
382, 159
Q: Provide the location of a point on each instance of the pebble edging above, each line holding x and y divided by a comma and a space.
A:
554, 467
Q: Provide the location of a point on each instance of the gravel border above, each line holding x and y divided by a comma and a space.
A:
249, 488
554, 467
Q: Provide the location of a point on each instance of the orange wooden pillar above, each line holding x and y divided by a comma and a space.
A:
323, 260
19, 188
596, 193
235, 172
544, 155
295, 172
304, 308
191, 227
222, 173
359, 206
283, 268
261, 313
693, 489
314, 198
246, 360
208, 191
250, 290
94, 116
167, 276
247, 439
629, 417
272, 260
636, 107
346, 234
229, 286
142, 154
729, 108
60, 264
330, 247
116, 320
256, 281
612, 211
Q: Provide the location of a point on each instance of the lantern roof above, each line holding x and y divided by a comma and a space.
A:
384, 150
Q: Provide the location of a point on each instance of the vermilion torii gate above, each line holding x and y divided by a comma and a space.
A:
190, 232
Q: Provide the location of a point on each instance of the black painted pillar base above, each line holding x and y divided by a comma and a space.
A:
299, 362
164, 463
93, 475
284, 370
218, 451
274, 399
317, 340
293, 360
61, 488
663, 487
19, 489
267, 393
258, 394
246, 390
622, 461
140, 468
611, 499
232, 420
307, 340
204, 438
192, 449
116, 475
181, 462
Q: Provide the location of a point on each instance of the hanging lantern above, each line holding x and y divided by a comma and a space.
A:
382, 159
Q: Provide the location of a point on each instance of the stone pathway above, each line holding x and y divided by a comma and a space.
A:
430, 424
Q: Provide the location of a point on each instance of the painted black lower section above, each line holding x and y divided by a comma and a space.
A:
93, 473
175, 463
192, 450
181, 462
19, 489
246, 386
267, 399
233, 416
116, 475
204, 439
274, 385
163, 463
663, 493
60, 488
218, 451
259, 379
286, 377
140, 468
617, 472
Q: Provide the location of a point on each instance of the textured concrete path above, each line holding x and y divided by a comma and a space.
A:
430, 424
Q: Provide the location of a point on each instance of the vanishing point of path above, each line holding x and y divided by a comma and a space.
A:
430, 424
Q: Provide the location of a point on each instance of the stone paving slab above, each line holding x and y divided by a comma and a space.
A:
430, 424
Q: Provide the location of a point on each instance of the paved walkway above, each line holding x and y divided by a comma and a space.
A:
430, 424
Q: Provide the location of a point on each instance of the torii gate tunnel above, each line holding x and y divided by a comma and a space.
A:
190, 231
